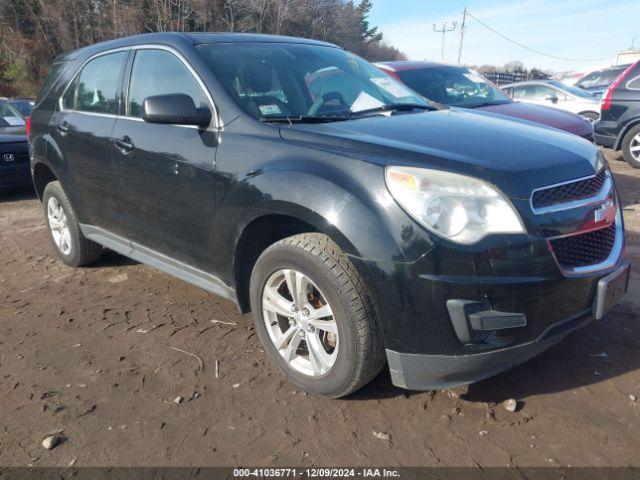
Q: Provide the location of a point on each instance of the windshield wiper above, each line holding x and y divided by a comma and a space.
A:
304, 119
395, 107
485, 104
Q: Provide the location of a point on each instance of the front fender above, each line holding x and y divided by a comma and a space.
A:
349, 202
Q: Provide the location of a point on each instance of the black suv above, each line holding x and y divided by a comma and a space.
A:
359, 223
619, 124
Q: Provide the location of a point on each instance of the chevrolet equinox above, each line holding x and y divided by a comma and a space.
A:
360, 224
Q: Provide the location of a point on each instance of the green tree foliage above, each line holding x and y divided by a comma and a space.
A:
33, 32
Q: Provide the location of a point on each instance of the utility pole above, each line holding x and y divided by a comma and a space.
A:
443, 31
464, 20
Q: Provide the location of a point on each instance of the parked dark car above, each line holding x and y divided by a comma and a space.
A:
598, 81
14, 149
619, 125
460, 87
357, 221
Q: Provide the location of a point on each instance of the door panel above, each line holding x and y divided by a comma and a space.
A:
83, 130
166, 188
164, 174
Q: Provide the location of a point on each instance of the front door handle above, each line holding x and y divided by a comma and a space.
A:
125, 143
63, 127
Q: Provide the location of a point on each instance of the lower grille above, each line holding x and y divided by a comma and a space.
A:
584, 249
570, 191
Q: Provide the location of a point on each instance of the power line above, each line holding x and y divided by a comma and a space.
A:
534, 50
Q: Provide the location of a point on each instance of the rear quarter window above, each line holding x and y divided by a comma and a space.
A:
634, 83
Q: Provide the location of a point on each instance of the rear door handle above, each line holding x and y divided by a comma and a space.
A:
63, 127
125, 143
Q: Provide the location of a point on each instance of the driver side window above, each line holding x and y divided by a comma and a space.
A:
159, 72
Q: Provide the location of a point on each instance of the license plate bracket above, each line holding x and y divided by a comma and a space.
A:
610, 290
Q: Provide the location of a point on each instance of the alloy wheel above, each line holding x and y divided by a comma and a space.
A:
59, 226
634, 147
300, 322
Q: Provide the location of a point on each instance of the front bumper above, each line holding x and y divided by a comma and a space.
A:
424, 347
432, 372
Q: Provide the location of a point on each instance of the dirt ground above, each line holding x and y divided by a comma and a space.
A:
93, 351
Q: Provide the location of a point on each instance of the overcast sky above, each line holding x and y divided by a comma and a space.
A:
576, 29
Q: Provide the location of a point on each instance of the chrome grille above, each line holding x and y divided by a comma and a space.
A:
568, 192
585, 248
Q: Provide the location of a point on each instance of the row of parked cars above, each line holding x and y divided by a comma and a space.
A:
547, 102
610, 98
362, 216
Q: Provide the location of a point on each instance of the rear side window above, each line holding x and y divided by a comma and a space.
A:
95, 89
158, 72
634, 83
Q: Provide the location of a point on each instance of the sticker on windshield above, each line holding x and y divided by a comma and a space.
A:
473, 77
270, 109
353, 62
392, 87
364, 101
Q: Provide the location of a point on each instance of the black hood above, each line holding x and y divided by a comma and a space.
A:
514, 155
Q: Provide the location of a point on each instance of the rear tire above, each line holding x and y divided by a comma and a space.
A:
332, 294
72, 246
631, 147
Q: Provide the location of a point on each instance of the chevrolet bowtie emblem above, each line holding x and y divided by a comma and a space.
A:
606, 212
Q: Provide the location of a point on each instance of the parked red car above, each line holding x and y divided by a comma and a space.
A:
460, 87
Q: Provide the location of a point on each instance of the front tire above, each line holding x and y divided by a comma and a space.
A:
314, 317
72, 246
631, 147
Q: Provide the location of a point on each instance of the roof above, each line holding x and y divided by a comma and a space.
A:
402, 65
194, 38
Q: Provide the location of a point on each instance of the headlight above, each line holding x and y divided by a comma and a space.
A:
460, 208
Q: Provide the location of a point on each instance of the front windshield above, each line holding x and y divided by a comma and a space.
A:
575, 91
601, 78
9, 116
270, 80
453, 86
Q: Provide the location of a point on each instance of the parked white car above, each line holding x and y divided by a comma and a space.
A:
556, 94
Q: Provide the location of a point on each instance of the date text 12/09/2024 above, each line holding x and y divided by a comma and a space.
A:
316, 472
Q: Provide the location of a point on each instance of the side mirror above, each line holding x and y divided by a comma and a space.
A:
175, 108
551, 98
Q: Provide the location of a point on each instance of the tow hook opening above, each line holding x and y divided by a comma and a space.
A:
475, 322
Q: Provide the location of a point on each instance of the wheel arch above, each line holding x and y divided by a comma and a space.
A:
632, 124
265, 230
43, 174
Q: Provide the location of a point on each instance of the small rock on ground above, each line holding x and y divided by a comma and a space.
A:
382, 435
510, 405
50, 442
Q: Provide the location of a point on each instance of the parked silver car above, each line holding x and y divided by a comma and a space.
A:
556, 94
